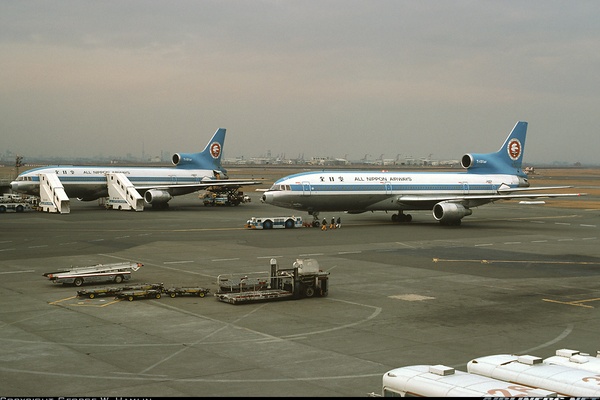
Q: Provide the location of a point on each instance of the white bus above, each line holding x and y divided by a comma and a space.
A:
575, 359
443, 381
531, 371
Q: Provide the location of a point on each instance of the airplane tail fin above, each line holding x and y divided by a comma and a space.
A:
209, 158
507, 160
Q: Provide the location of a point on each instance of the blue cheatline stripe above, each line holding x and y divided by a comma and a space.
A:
384, 188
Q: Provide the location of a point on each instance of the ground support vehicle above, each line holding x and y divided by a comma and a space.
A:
139, 294
187, 291
304, 280
113, 290
99, 292
17, 203
224, 197
16, 207
532, 371
116, 273
442, 381
274, 222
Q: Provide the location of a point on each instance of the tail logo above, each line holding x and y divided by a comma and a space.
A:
514, 149
215, 150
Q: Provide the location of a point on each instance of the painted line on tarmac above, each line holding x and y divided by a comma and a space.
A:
152, 378
560, 337
178, 262
17, 272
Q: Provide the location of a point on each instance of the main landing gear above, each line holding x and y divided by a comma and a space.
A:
315, 223
401, 217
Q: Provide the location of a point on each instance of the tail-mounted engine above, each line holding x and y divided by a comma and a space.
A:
182, 159
450, 213
489, 163
477, 162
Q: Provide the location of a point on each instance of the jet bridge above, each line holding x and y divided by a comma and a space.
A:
122, 195
53, 197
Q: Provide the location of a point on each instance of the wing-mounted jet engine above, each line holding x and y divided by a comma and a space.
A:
450, 213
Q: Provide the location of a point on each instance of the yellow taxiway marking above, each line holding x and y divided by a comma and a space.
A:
573, 303
577, 303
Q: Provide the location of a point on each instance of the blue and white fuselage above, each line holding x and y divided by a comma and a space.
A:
89, 182
191, 172
489, 177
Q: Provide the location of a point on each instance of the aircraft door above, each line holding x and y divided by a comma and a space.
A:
306, 188
465, 187
388, 188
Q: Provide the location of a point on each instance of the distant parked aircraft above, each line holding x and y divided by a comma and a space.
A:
157, 185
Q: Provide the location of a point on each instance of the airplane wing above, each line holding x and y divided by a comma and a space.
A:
485, 198
526, 189
227, 183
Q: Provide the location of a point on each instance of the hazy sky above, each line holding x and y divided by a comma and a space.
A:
318, 78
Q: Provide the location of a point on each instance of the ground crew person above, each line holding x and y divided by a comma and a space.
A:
332, 225
324, 225
338, 223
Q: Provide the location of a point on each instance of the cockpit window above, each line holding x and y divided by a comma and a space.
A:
280, 187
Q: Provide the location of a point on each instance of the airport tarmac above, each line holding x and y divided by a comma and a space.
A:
521, 279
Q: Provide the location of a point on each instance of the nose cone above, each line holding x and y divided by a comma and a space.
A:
14, 185
268, 197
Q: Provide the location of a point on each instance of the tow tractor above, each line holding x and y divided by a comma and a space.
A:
116, 273
274, 222
187, 291
16, 203
305, 279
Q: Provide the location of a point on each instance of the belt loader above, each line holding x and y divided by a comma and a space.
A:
116, 273
304, 279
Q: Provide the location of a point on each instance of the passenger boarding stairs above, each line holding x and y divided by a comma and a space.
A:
53, 197
122, 195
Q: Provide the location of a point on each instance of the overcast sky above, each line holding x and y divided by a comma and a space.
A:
315, 78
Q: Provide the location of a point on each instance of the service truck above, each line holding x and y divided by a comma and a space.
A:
274, 222
227, 197
116, 273
305, 279
16, 203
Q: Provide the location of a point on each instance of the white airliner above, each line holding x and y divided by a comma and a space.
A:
157, 185
489, 177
